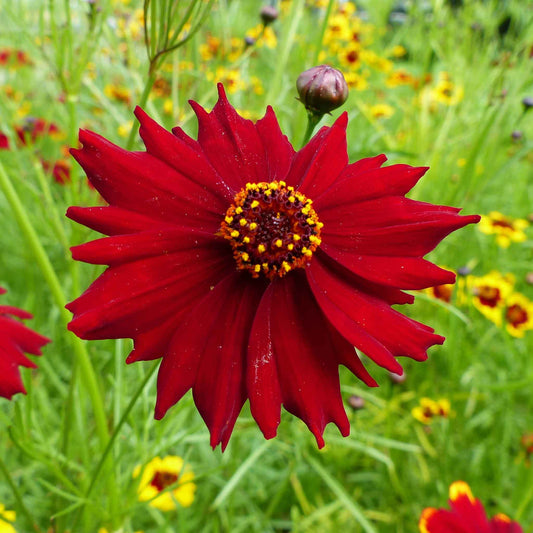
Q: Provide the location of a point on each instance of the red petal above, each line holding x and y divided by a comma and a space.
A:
144, 184
305, 356
113, 220
231, 144
14, 311
179, 367
441, 521
355, 185
208, 353
320, 162
261, 370
220, 387
404, 240
366, 321
278, 149
132, 298
400, 272
185, 156
126, 248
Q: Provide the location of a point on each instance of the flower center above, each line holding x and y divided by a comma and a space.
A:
516, 315
272, 229
162, 480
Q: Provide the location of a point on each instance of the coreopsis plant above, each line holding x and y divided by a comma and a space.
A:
466, 515
16, 340
251, 269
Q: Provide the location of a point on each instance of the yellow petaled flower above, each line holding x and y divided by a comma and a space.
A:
355, 81
158, 475
400, 77
350, 56
398, 51
124, 129
230, 77
518, 314
120, 94
489, 294
381, 111
429, 409
506, 229
446, 92
5, 518
263, 36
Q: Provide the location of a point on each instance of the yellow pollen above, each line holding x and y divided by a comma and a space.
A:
271, 228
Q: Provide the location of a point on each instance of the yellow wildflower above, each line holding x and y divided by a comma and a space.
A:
428, 409
506, 229
5, 518
518, 315
158, 475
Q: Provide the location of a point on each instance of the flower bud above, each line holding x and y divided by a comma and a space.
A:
322, 89
527, 102
356, 402
268, 14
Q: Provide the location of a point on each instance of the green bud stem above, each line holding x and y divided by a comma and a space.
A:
312, 121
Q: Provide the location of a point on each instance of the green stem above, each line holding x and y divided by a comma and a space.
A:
142, 102
320, 36
41, 258
312, 122
114, 435
17, 495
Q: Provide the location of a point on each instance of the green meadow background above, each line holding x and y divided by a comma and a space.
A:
433, 83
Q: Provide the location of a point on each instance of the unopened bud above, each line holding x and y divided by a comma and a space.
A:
356, 402
322, 89
527, 102
529, 278
268, 14
516, 135
464, 271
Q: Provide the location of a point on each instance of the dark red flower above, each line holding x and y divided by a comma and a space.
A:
60, 170
4, 141
15, 340
466, 515
35, 128
252, 269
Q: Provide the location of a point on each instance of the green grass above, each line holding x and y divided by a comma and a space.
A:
391, 467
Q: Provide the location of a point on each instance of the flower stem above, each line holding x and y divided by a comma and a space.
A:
142, 102
312, 122
54, 285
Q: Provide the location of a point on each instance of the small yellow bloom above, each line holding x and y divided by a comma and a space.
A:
518, 315
489, 294
124, 129
381, 111
159, 474
506, 229
400, 77
446, 92
356, 81
398, 51
429, 409
5, 518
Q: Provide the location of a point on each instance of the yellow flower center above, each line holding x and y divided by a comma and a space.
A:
272, 229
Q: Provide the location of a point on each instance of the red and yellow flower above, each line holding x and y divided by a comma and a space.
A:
466, 515
166, 483
506, 229
518, 314
430, 409
253, 270
15, 340
490, 293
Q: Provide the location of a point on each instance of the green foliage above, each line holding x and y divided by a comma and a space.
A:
69, 448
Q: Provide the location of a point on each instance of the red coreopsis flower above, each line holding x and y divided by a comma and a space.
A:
253, 270
466, 515
15, 340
